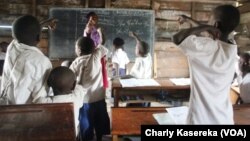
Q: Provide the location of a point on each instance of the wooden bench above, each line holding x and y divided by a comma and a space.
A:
37, 122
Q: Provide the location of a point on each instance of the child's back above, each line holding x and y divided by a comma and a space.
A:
63, 82
212, 67
26, 67
88, 68
119, 58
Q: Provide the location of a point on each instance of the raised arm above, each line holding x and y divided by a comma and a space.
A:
180, 36
135, 36
183, 18
50, 23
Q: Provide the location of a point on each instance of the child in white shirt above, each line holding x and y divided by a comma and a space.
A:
63, 83
212, 66
88, 69
244, 66
143, 63
119, 58
25, 68
142, 69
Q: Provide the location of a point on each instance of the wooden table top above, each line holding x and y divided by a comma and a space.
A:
164, 84
128, 121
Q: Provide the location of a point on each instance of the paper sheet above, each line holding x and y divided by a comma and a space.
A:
181, 81
163, 118
133, 82
178, 114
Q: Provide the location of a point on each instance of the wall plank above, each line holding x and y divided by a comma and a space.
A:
169, 62
96, 3
171, 14
175, 5
60, 2
20, 9
143, 4
205, 6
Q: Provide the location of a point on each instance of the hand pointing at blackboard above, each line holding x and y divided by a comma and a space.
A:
91, 29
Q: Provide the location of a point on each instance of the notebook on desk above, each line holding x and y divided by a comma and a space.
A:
174, 115
133, 82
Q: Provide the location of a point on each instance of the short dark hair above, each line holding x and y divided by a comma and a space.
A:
245, 67
228, 17
1, 66
90, 14
118, 43
143, 48
86, 45
26, 29
61, 79
3, 46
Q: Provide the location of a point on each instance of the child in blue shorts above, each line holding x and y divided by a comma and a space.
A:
88, 69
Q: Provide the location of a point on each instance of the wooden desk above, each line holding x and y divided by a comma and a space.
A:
165, 84
235, 94
242, 114
37, 122
128, 121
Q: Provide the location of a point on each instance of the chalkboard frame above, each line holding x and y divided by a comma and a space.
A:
56, 52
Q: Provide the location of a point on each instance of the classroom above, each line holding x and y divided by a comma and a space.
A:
104, 70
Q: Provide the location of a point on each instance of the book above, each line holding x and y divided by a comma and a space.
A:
133, 82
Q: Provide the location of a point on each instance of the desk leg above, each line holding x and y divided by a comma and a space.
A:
115, 138
116, 98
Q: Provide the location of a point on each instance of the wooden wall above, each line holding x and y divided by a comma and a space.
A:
169, 61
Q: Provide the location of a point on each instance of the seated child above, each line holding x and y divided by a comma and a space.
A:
142, 68
244, 66
119, 58
63, 82
143, 63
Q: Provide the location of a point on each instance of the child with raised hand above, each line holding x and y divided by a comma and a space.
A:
142, 69
26, 68
93, 31
119, 58
244, 66
212, 66
143, 62
88, 69
63, 83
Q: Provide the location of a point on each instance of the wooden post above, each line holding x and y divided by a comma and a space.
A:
34, 7
193, 11
107, 3
86, 3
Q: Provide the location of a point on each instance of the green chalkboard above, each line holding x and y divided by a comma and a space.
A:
114, 22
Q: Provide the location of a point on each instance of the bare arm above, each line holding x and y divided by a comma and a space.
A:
180, 36
50, 23
135, 36
184, 18
100, 32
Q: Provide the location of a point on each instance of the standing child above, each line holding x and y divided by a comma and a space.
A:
63, 82
212, 66
26, 67
88, 69
93, 31
244, 66
119, 58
